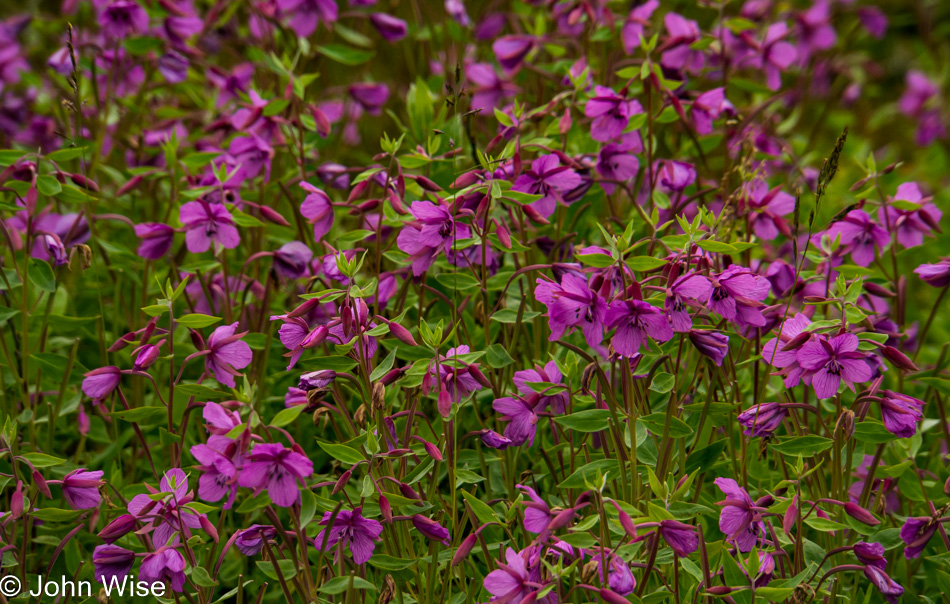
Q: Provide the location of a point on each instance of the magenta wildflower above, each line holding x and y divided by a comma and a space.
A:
250, 541
537, 514
737, 295
206, 223
122, 19
292, 259
371, 97
227, 354
710, 343
430, 529
278, 469
610, 112
708, 107
510, 581
688, 290
550, 374
572, 304
871, 554
617, 162
489, 89
739, 519
432, 232
164, 564
762, 420
829, 362
547, 177
521, 416
639, 18
303, 16
679, 54
901, 413
937, 275
352, 529
862, 236
81, 489
111, 562
388, 26
98, 384
682, 538
911, 225
636, 322
887, 586
512, 50
767, 209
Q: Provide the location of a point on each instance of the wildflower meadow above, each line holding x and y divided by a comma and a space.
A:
474, 301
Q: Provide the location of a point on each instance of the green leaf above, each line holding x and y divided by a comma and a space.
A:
823, 524
390, 563
704, 458
56, 515
872, 431
338, 585
335, 363
254, 503
286, 416
347, 55
142, 415
460, 281
308, 506
588, 474
510, 317
662, 382
41, 275
710, 245
645, 263
42, 460
656, 421
596, 260
65, 154
383, 368
201, 577
48, 186
498, 357
482, 510
197, 321
7, 313
347, 455
803, 445
287, 568
200, 392
591, 420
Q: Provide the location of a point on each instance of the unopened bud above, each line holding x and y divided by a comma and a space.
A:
401, 333
860, 514
878, 290
208, 527
464, 549
844, 427
898, 359
40, 483
797, 342
341, 482
385, 509
272, 215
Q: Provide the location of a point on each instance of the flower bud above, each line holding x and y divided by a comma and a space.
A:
445, 403
797, 342
401, 333
208, 527
272, 215
40, 483
898, 359
844, 427
385, 509
341, 482
860, 514
315, 337
379, 396
122, 525
612, 597
878, 290
464, 549
147, 355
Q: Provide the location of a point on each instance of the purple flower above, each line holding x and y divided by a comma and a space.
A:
98, 384
492, 439
430, 529
673, 176
278, 469
828, 363
776, 55
156, 239
174, 67
389, 27
572, 304
710, 343
619, 578
537, 514
681, 537
814, 30
206, 222
371, 97
911, 225
316, 379
547, 177
253, 155
787, 360
901, 413
456, 378
610, 112
123, 18
165, 564
303, 16
616, 162
916, 533
708, 107
871, 554
632, 30
550, 374
508, 582
292, 259
512, 50
679, 54
111, 561
737, 295
489, 89
219, 461
767, 208
250, 541
636, 321
887, 586
937, 275
81, 489
317, 209
739, 519
762, 420
521, 417
432, 232
874, 20
350, 528
686, 290
861, 235
227, 354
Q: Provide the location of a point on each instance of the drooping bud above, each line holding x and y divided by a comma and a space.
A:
898, 359
385, 509
445, 403
208, 527
860, 514
272, 215
878, 290
464, 549
341, 482
401, 333
40, 483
